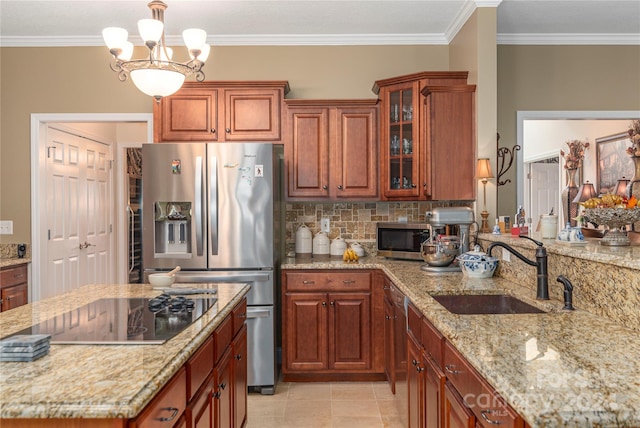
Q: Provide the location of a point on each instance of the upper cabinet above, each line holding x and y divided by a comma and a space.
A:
221, 111
331, 149
422, 127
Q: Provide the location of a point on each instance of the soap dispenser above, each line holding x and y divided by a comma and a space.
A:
496, 228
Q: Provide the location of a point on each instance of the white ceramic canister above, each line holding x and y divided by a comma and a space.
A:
303, 242
358, 249
338, 246
321, 246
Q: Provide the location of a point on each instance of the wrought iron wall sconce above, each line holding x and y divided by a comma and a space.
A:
505, 153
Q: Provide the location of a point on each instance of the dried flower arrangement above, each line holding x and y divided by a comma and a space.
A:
573, 158
634, 135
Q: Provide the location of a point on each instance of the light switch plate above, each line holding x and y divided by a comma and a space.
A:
6, 227
325, 225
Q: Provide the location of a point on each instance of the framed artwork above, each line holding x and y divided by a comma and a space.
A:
613, 162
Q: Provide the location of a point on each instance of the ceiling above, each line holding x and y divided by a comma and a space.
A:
323, 22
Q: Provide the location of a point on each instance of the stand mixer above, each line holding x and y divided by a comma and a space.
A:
449, 227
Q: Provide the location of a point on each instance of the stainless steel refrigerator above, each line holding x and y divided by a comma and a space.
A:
215, 210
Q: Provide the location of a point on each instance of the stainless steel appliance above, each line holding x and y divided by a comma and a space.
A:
215, 210
451, 227
401, 240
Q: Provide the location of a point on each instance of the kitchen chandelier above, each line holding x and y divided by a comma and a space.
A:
158, 75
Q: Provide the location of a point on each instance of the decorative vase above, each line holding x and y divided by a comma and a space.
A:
569, 208
633, 188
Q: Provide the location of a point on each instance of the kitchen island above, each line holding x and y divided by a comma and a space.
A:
555, 369
97, 382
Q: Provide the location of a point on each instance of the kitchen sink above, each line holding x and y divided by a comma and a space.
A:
478, 304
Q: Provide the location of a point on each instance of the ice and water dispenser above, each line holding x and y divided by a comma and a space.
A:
172, 229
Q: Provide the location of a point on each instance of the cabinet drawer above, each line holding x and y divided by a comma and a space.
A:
239, 316
432, 341
328, 281
488, 407
199, 366
414, 321
165, 409
13, 276
222, 337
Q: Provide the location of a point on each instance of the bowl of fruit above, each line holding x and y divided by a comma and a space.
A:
615, 212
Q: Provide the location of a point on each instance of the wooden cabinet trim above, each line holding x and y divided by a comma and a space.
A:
435, 75
199, 367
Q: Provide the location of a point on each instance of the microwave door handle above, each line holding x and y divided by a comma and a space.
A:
213, 204
199, 205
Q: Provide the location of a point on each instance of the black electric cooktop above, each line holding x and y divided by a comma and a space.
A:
124, 320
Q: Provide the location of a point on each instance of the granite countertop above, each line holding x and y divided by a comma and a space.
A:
555, 369
98, 381
11, 262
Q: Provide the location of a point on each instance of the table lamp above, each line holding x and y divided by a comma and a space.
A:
483, 173
586, 191
621, 187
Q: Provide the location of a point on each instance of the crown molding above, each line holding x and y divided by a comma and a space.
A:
568, 39
487, 3
459, 20
246, 40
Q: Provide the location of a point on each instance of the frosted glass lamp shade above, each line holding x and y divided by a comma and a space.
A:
115, 37
150, 30
127, 52
157, 82
204, 53
166, 53
194, 38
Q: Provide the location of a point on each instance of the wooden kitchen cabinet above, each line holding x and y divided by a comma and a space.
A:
456, 413
240, 381
331, 149
221, 111
411, 133
13, 287
328, 326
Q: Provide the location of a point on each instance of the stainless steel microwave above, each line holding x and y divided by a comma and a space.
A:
401, 240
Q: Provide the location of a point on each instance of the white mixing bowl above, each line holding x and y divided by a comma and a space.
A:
161, 279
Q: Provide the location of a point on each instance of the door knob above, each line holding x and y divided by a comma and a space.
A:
85, 245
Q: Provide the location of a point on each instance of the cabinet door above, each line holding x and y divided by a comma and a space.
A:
354, 166
450, 131
456, 414
400, 142
350, 331
222, 394
191, 114
434, 380
414, 384
239, 354
306, 337
252, 114
12, 297
389, 347
307, 146
202, 407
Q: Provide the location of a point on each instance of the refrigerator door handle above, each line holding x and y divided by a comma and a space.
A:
257, 313
213, 204
199, 205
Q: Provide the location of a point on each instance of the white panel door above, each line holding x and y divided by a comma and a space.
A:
545, 195
78, 221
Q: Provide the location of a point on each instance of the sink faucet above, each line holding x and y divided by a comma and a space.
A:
542, 292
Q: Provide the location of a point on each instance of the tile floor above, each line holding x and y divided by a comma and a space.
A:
325, 405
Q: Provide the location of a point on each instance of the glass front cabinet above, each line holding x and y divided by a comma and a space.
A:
405, 146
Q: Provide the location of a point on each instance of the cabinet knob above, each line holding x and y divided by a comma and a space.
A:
413, 186
332, 303
424, 185
325, 187
340, 187
228, 130
419, 369
217, 395
324, 303
239, 357
222, 385
213, 130
387, 317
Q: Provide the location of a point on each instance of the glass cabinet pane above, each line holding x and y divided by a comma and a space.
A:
401, 139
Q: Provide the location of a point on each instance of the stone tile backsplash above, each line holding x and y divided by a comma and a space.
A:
353, 221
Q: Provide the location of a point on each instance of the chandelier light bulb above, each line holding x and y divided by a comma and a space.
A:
166, 53
203, 55
150, 30
194, 38
127, 52
115, 37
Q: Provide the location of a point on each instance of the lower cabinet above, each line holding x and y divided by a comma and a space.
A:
240, 382
456, 413
329, 325
13, 287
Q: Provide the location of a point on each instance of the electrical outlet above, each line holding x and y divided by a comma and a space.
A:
402, 219
506, 255
6, 227
325, 225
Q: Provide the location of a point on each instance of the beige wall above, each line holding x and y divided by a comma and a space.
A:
565, 78
78, 80
474, 49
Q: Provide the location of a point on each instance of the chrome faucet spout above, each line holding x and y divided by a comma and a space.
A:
542, 292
